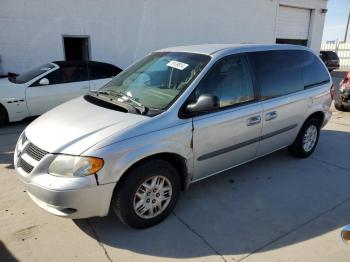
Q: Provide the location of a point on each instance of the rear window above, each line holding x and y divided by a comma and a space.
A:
314, 72
278, 73
331, 55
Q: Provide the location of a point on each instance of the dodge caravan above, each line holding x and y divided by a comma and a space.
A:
177, 116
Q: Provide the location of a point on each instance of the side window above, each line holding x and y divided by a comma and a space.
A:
278, 73
55, 77
101, 72
74, 74
313, 70
65, 75
229, 80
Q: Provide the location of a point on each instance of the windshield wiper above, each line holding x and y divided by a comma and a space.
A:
141, 109
97, 92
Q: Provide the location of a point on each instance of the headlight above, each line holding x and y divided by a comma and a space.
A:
342, 89
75, 166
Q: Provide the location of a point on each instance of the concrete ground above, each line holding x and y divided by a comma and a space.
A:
277, 208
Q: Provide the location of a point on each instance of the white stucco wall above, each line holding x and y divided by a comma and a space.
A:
122, 30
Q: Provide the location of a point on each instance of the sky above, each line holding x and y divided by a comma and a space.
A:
336, 19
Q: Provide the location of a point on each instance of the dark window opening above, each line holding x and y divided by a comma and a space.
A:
76, 48
291, 41
278, 72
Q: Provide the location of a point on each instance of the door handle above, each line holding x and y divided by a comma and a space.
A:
253, 120
271, 115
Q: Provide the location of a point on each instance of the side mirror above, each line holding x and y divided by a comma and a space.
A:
345, 234
44, 82
205, 102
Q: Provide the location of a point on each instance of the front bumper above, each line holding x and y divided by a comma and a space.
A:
79, 197
76, 203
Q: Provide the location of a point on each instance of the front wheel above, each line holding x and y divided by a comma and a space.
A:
3, 116
306, 141
147, 194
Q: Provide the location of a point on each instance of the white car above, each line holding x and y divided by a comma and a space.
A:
37, 91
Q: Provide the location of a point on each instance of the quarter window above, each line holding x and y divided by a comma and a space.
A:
278, 73
229, 80
313, 70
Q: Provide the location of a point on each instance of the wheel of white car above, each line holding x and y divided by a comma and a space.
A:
306, 141
147, 194
3, 115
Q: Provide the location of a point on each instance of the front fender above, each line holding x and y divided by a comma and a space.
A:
120, 156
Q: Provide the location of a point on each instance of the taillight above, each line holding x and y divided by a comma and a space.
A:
332, 91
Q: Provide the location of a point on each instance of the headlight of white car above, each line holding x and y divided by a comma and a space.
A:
75, 166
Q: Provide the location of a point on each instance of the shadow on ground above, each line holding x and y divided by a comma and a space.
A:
266, 204
5, 254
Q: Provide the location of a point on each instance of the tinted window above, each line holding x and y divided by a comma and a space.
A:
103, 71
278, 72
313, 70
74, 74
331, 55
229, 80
66, 75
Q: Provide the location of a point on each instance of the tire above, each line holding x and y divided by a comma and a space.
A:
301, 148
339, 107
3, 116
124, 201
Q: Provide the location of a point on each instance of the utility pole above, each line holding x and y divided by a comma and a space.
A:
347, 28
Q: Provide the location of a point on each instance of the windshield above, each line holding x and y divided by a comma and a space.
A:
25, 77
157, 80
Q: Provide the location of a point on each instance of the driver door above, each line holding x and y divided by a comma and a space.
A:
230, 135
64, 84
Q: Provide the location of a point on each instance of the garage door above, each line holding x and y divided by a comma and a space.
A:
293, 23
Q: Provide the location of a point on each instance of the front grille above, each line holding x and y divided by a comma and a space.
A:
24, 165
32, 153
35, 152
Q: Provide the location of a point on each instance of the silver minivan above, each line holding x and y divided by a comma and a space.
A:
177, 116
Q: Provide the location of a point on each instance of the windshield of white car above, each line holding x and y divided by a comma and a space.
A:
156, 81
27, 76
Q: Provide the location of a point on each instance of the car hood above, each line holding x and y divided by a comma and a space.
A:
77, 125
11, 90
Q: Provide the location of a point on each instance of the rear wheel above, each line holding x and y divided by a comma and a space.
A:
306, 141
338, 106
147, 194
3, 116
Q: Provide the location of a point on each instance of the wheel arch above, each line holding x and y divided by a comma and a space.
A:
176, 160
319, 115
2, 107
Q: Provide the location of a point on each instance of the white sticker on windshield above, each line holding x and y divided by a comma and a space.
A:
177, 65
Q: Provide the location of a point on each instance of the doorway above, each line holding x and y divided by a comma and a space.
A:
76, 48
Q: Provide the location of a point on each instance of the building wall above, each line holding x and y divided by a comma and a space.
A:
122, 31
317, 19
